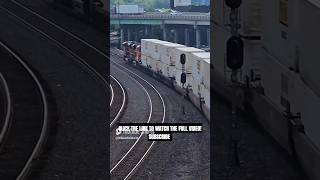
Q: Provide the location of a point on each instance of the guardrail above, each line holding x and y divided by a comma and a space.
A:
192, 17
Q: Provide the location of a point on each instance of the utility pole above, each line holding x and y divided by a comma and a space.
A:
234, 62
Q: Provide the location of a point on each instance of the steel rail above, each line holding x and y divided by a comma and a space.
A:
112, 94
163, 119
8, 110
37, 149
99, 52
123, 102
149, 119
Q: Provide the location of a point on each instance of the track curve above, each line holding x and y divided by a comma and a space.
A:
120, 100
29, 120
95, 52
127, 165
7, 111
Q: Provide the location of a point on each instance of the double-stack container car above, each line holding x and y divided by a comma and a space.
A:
162, 60
167, 61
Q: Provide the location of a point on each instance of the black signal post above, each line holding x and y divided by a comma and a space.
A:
183, 78
183, 74
234, 62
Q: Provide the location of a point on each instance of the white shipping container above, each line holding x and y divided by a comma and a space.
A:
205, 73
154, 51
144, 60
198, 64
145, 46
195, 85
188, 65
189, 59
205, 93
148, 51
166, 57
155, 65
189, 79
201, 81
167, 51
155, 54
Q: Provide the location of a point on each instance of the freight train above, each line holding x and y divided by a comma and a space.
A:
186, 69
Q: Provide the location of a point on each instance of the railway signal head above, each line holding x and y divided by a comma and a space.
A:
233, 4
183, 78
182, 58
234, 52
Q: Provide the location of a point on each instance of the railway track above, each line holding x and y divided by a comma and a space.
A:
24, 132
118, 101
133, 158
85, 52
6, 103
112, 95
98, 69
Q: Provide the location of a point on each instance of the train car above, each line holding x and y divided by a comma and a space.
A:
149, 51
162, 59
138, 54
167, 62
200, 72
187, 51
131, 51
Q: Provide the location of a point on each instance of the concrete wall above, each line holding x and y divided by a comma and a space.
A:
309, 47
287, 59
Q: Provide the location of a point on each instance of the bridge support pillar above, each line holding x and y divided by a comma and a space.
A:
121, 36
129, 34
136, 34
164, 33
175, 33
186, 36
146, 31
151, 33
198, 36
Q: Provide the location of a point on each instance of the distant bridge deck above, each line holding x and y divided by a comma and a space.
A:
162, 18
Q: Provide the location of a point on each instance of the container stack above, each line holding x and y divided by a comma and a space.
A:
188, 65
200, 72
149, 51
167, 62
163, 58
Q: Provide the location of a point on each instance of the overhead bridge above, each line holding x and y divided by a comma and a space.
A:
184, 28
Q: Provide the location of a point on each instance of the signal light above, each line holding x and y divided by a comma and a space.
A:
233, 4
234, 53
182, 58
183, 78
